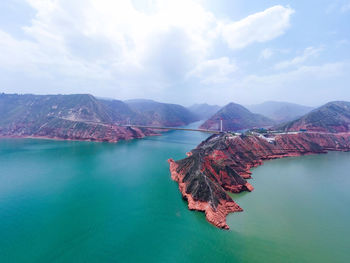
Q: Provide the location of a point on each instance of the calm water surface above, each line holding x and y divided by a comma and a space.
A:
64, 201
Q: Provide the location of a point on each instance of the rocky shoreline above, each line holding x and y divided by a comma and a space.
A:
77, 131
223, 162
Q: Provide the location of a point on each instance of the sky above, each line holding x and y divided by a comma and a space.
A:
178, 51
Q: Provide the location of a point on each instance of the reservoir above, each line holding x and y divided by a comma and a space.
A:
69, 201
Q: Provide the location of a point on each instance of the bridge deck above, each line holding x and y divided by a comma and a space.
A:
172, 128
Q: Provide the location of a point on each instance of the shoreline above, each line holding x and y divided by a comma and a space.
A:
74, 140
227, 162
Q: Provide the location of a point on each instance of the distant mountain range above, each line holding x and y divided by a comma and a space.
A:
84, 117
235, 117
280, 111
331, 117
204, 111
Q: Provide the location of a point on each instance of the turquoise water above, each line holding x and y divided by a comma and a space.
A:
64, 201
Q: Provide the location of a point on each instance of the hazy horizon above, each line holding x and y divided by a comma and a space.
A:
150, 99
183, 52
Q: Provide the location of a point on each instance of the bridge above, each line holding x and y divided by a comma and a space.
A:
171, 128
149, 127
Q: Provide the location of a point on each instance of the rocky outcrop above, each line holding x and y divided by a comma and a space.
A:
201, 193
223, 162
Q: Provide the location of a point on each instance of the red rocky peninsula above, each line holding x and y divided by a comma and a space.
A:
222, 163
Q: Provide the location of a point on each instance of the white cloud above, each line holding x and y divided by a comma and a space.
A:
259, 27
309, 52
114, 34
214, 71
129, 50
78, 33
31, 58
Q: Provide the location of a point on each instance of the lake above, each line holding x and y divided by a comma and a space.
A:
68, 201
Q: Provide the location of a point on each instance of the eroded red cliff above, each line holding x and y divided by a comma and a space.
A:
223, 162
202, 194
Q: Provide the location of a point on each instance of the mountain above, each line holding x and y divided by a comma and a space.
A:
76, 117
331, 117
280, 111
162, 114
32, 108
235, 117
204, 111
120, 112
84, 117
